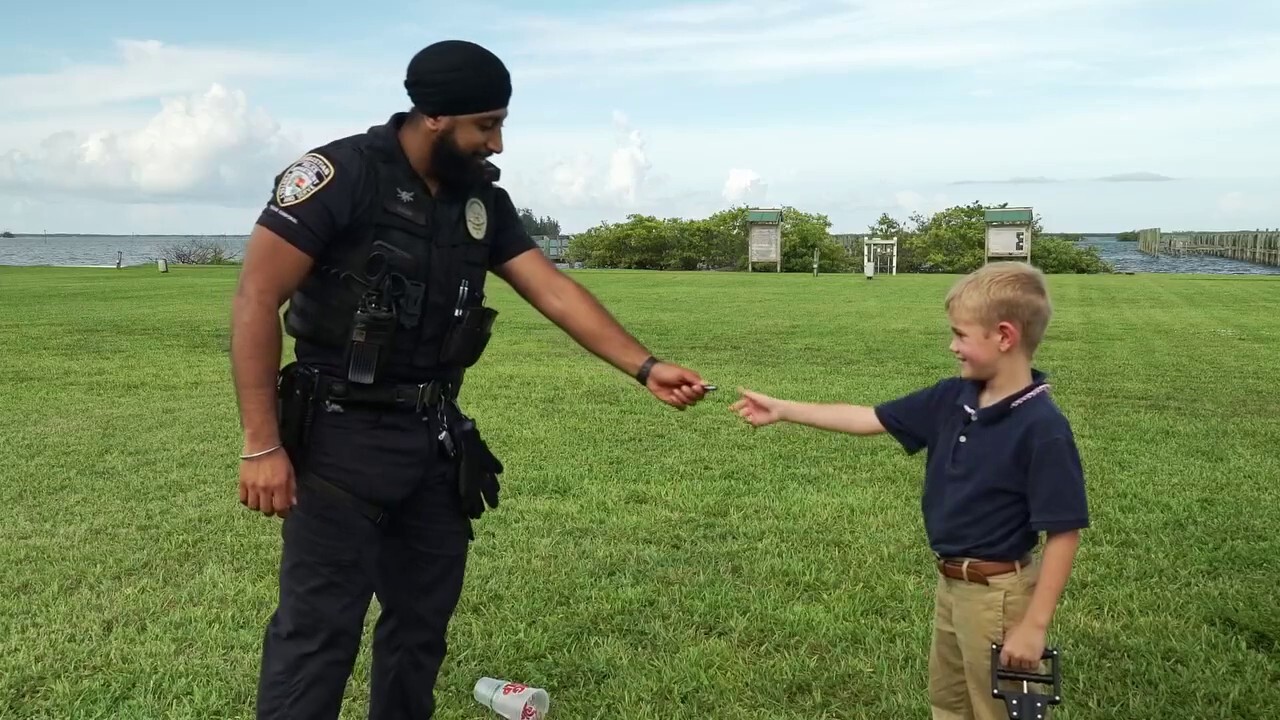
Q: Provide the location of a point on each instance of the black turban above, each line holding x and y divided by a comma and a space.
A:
456, 77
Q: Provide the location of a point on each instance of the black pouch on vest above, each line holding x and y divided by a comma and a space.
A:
295, 406
468, 337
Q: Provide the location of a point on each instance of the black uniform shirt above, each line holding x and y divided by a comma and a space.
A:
327, 190
319, 200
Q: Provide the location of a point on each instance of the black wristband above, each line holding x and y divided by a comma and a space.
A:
642, 375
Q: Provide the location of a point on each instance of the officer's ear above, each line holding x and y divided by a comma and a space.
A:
434, 123
439, 123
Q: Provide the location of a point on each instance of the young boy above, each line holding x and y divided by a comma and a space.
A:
1002, 467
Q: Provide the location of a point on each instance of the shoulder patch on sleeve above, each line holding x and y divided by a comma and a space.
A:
303, 178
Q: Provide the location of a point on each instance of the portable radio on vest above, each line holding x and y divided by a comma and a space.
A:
370, 344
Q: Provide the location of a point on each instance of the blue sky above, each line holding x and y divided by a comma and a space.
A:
152, 119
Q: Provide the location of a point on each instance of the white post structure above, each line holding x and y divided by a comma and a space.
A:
879, 255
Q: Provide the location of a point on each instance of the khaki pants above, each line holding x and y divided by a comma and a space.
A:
968, 618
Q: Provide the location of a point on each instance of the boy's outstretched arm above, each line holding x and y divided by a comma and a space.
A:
759, 410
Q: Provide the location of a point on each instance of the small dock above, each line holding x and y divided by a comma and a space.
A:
1261, 247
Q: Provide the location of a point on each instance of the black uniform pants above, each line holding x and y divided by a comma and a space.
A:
334, 559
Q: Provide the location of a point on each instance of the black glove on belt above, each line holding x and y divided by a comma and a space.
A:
478, 471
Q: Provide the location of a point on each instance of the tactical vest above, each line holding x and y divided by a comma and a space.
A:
426, 249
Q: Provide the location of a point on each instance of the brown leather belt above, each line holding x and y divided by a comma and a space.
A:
976, 571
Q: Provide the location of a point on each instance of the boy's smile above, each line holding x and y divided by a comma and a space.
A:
976, 348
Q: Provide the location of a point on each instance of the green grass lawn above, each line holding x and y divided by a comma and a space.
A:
647, 563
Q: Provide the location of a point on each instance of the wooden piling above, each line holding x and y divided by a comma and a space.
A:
1261, 247
1149, 241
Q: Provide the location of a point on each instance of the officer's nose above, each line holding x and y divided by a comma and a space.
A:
495, 143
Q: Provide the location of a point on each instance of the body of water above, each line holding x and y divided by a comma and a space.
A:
101, 250
1125, 257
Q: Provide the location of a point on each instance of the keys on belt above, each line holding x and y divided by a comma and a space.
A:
418, 398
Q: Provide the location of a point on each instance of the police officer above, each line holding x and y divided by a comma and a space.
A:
381, 243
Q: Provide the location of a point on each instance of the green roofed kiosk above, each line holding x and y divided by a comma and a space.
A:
1008, 233
764, 236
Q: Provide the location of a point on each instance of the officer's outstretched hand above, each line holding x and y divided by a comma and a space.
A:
267, 484
676, 386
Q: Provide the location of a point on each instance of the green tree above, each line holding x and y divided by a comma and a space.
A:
1054, 254
949, 241
803, 232
642, 242
885, 228
538, 225
726, 239
719, 241
954, 241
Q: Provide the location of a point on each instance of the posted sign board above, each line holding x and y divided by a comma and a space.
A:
1008, 233
765, 243
1007, 241
764, 236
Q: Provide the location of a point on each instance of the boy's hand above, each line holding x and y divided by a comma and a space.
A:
757, 409
1023, 648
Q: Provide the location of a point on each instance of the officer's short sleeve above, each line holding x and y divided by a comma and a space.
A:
1055, 484
315, 198
913, 419
509, 236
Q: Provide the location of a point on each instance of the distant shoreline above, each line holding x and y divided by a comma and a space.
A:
1074, 237
129, 236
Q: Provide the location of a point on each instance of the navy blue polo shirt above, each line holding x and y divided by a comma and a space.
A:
995, 477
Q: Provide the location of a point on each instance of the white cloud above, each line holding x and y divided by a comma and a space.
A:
146, 69
1232, 65
1237, 202
746, 40
628, 165
571, 180
210, 147
908, 202
579, 179
744, 186
1058, 74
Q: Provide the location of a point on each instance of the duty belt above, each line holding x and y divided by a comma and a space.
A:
410, 397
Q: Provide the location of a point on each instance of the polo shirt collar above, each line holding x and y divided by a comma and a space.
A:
968, 399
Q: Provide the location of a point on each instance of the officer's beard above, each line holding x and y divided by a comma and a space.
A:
456, 170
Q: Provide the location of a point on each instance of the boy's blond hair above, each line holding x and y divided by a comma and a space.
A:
1006, 291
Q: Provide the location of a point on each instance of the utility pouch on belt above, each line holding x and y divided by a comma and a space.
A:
478, 469
468, 336
295, 392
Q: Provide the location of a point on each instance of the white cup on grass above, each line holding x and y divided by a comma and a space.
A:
513, 701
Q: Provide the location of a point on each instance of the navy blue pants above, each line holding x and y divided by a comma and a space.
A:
334, 559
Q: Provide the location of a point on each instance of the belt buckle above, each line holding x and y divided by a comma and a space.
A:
964, 571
